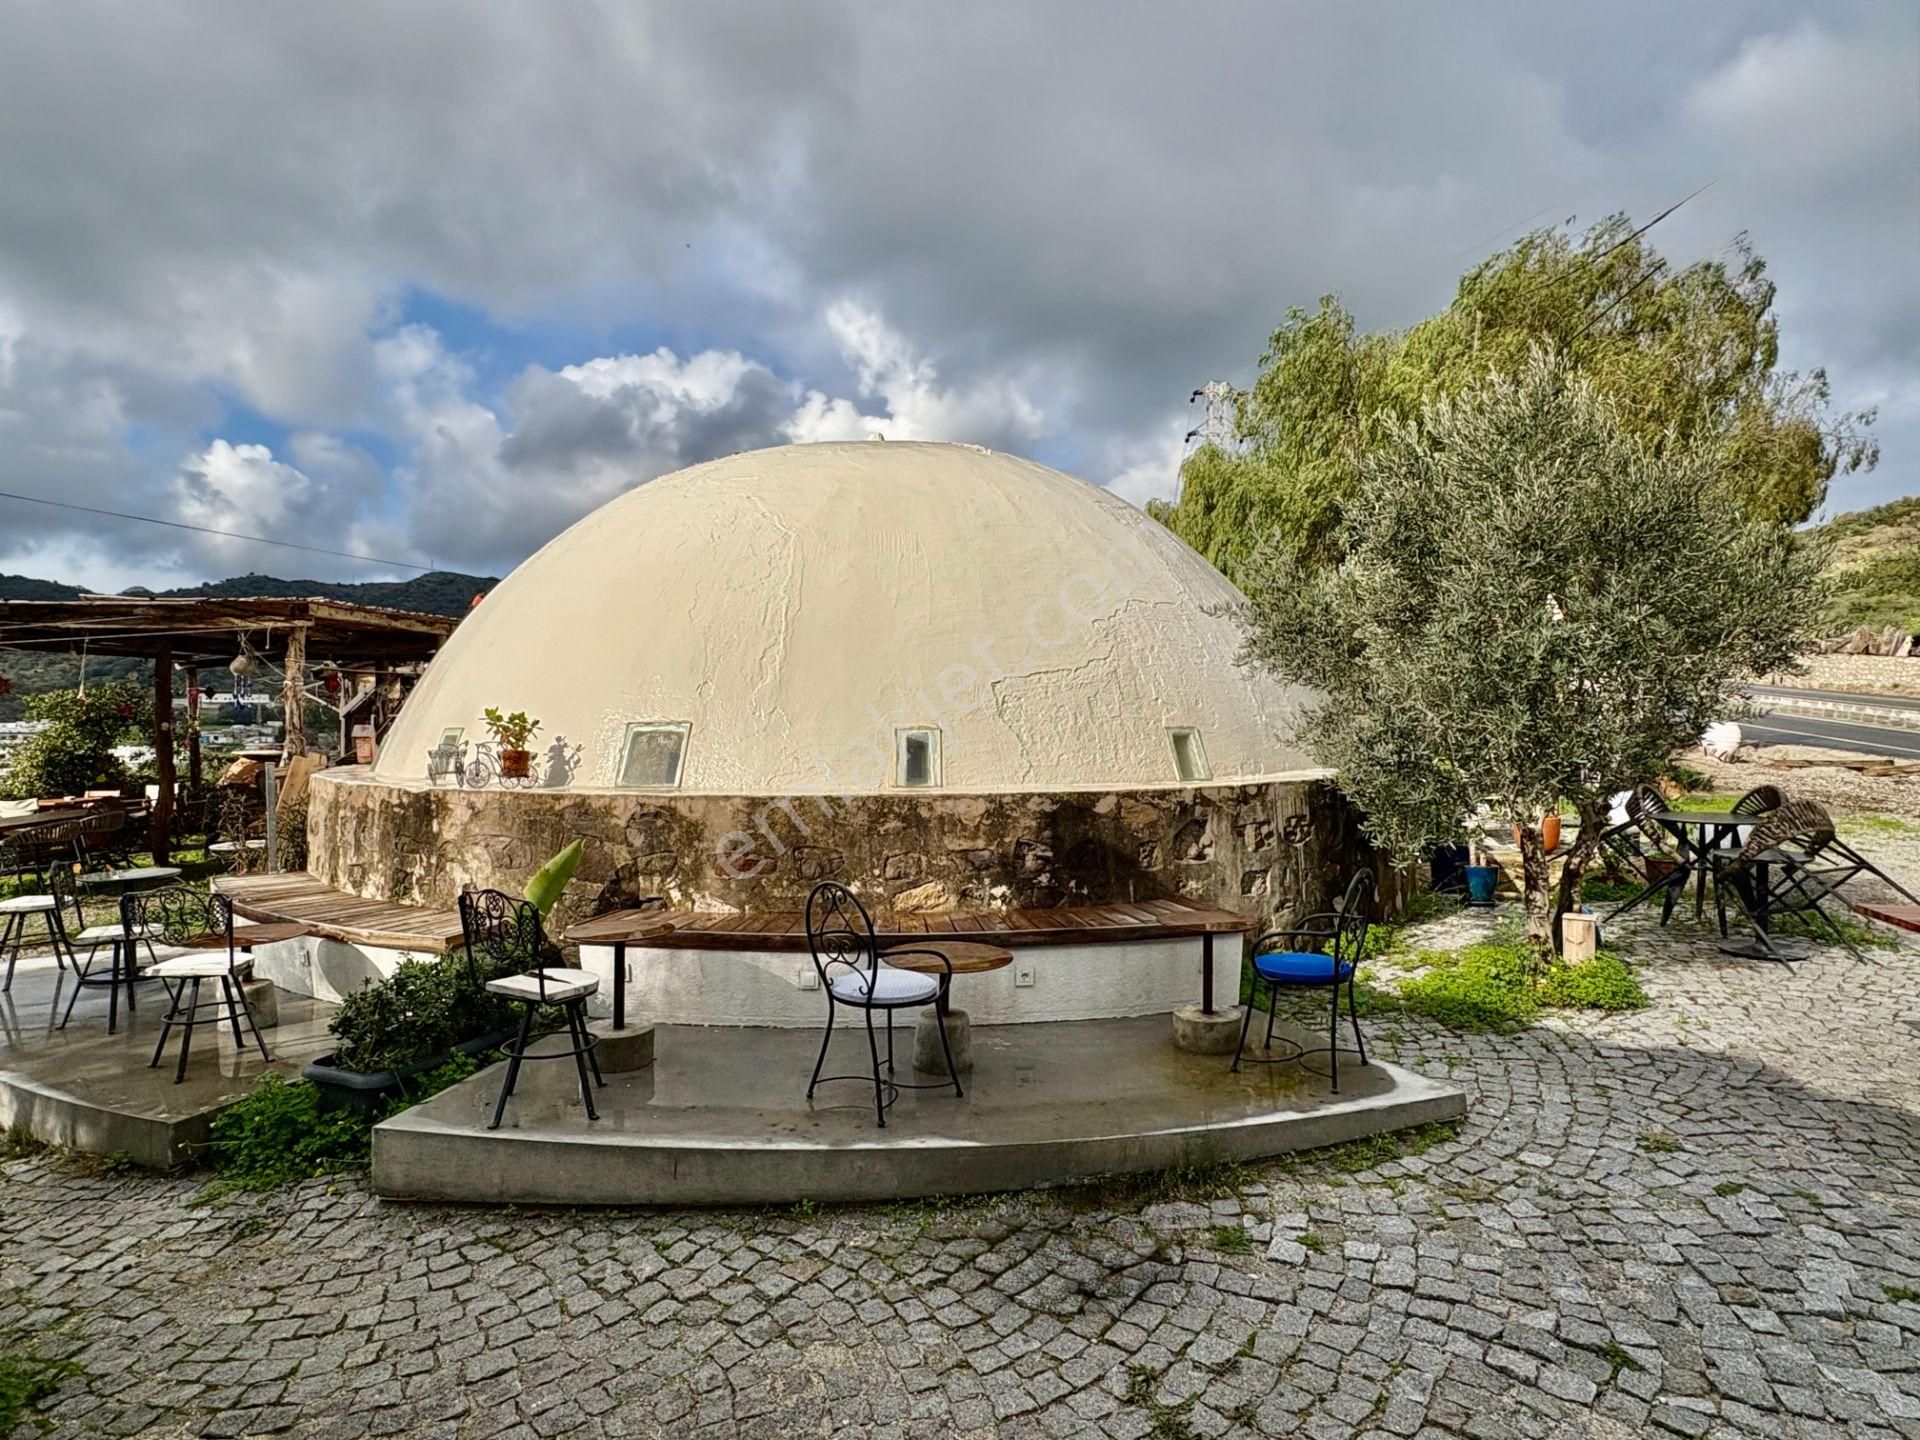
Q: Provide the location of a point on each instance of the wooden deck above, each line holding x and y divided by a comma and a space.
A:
1070, 925
333, 914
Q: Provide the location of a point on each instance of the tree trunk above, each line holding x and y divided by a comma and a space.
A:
1593, 819
1538, 897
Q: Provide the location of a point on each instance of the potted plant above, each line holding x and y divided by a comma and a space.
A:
1482, 879
1549, 832
511, 733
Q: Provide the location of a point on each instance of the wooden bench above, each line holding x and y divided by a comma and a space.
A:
1115, 923
295, 897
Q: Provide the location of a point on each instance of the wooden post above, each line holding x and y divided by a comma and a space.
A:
195, 779
293, 694
161, 822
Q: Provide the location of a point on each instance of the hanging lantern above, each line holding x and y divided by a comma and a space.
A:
330, 682
244, 666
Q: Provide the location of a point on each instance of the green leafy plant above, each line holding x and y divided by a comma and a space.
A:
550, 880
416, 1015
25, 1381
278, 1134
513, 731
1472, 650
74, 752
1688, 354
1230, 1239
1491, 986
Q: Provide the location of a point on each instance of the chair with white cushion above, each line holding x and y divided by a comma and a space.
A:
502, 933
122, 961
847, 957
202, 926
44, 906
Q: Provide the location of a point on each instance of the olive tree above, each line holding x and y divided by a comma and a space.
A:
1536, 605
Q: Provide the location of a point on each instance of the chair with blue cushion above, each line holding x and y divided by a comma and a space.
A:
1323, 951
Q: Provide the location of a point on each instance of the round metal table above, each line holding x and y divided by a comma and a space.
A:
968, 957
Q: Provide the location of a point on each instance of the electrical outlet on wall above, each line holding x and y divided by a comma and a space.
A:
809, 978
1023, 975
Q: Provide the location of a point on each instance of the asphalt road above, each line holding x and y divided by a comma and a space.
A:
1775, 729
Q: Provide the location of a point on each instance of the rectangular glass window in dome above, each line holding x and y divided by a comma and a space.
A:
917, 763
1189, 755
653, 755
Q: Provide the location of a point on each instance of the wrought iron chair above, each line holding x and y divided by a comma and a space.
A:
1639, 840
47, 906
1323, 950
847, 958
1787, 866
202, 925
122, 950
502, 933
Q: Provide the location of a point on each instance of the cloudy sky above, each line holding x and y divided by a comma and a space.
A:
427, 282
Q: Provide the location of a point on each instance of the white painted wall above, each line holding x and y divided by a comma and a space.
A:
669, 986
328, 970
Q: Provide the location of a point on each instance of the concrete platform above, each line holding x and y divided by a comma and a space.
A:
90, 1091
721, 1117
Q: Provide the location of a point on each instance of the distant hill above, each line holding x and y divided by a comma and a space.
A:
440, 592
1874, 567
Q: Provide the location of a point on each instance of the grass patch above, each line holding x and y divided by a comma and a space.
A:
1486, 986
1618, 1358
1728, 1187
1608, 890
1902, 1294
25, 1382
1862, 935
1871, 824
1165, 1422
1658, 1142
1308, 1240
278, 1134
1353, 1156
1198, 1183
1230, 1240
1704, 800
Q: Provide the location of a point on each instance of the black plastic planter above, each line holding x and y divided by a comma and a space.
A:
368, 1094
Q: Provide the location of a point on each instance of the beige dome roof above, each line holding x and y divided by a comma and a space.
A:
780, 617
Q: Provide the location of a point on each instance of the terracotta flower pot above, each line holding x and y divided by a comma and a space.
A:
515, 764
1549, 833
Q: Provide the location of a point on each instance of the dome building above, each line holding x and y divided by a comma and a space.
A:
952, 678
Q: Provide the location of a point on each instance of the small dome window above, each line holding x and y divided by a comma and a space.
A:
917, 758
653, 754
1189, 755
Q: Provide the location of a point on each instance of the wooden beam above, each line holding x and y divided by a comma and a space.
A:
293, 694
161, 823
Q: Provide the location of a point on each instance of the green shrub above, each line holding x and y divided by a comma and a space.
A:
417, 1014
278, 1134
75, 751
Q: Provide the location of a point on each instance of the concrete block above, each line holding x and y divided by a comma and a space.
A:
619, 1051
1206, 1032
928, 1057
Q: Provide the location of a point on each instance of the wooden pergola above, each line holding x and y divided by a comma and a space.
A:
196, 631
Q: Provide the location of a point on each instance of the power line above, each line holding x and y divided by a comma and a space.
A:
209, 530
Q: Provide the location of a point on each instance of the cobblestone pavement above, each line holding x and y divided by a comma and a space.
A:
1702, 1219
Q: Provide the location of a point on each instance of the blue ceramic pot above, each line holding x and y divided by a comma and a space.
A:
1481, 880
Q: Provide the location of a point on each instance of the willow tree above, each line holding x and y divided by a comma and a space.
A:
1689, 355
1536, 605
